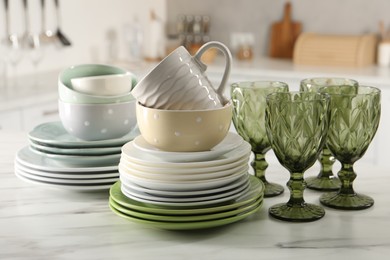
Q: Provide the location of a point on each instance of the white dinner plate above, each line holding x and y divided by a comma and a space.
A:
230, 142
36, 161
54, 134
81, 160
132, 154
180, 186
207, 197
68, 175
66, 181
188, 204
180, 171
185, 176
65, 186
169, 193
76, 151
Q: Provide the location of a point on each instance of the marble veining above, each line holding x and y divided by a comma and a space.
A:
37, 222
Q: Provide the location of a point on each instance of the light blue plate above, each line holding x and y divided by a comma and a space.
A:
54, 134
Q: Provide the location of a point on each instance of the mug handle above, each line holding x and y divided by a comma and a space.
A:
228, 58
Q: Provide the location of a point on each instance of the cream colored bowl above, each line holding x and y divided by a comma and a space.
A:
184, 130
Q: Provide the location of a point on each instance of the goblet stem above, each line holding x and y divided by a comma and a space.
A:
346, 197
325, 180
296, 209
296, 185
327, 160
259, 166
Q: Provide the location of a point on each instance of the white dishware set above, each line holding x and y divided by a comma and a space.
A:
185, 162
82, 151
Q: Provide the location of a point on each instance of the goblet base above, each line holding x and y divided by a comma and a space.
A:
272, 189
346, 201
297, 213
323, 183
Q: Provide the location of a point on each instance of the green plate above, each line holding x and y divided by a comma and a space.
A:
255, 192
185, 218
188, 225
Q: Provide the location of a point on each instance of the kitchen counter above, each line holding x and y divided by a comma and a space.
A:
41, 223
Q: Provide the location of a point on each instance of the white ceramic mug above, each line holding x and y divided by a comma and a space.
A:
179, 82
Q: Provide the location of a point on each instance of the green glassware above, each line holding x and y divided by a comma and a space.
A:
249, 102
297, 125
325, 180
354, 120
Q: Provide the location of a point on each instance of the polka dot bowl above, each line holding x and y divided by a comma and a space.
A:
184, 130
92, 122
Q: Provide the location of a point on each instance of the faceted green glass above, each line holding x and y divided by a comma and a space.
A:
297, 125
354, 119
325, 180
249, 102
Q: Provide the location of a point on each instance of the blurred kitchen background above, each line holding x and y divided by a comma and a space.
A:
349, 36
109, 30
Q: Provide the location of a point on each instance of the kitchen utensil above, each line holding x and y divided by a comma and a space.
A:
297, 124
93, 122
60, 35
47, 35
283, 35
179, 82
249, 102
104, 85
355, 114
184, 130
325, 180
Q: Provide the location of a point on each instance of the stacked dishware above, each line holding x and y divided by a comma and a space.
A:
185, 170
82, 151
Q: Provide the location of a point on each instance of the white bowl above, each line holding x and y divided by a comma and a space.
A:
70, 95
93, 122
103, 85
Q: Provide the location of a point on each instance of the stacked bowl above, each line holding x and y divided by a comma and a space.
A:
82, 152
185, 170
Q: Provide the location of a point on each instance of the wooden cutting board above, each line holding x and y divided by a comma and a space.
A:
283, 35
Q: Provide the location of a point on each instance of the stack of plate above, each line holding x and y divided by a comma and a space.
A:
58, 159
179, 190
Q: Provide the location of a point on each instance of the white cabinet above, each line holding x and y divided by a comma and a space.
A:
10, 120
38, 114
26, 118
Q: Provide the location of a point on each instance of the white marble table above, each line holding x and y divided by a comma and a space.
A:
42, 223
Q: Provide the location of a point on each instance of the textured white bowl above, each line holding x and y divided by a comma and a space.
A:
93, 122
184, 130
103, 85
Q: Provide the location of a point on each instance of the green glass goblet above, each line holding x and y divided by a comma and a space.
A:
297, 125
325, 180
354, 120
249, 102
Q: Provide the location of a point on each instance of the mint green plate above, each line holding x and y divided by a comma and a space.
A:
255, 192
186, 218
54, 134
189, 225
